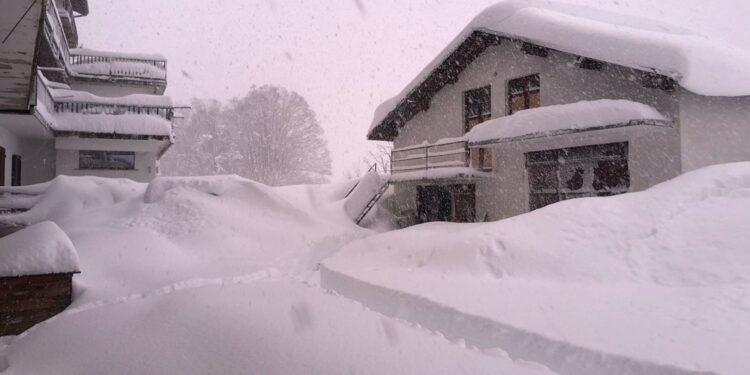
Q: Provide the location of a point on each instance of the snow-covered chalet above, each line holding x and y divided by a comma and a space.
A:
537, 102
74, 111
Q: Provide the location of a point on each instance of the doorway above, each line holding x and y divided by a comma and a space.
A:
456, 203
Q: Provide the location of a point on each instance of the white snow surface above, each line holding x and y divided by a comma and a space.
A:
134, 69
700, 64
659, 276
142, 100
545, 121
122, 55
217, 275
39, 249
117, 124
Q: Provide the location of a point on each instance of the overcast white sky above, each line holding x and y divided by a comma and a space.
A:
343, 56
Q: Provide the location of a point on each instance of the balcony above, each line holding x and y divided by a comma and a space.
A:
443, 160
118, 66
68, 111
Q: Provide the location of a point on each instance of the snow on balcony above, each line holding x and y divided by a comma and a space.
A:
67, 110
120, 65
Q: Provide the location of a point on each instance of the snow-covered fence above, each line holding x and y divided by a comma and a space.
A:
422, 157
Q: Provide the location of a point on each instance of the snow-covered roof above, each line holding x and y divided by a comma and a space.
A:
40, 249
563, 119
112, 124
700, 64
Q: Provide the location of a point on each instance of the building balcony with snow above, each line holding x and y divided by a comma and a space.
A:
66, 110
511, 117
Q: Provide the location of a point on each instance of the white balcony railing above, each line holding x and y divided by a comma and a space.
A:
118, 65
423, 157
55, 100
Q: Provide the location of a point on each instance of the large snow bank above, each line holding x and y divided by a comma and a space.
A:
117, 124
37, 250
211, 275
66, 197
700, 64
555, 119
658, 276
243, 327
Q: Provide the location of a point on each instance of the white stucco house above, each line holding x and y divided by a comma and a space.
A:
73, 111
536, 102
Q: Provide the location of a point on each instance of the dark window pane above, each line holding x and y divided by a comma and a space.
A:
106, 160
542, 177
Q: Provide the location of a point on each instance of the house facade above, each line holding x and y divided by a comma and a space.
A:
507, 120
73, 111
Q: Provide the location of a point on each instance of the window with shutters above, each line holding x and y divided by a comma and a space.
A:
524, 93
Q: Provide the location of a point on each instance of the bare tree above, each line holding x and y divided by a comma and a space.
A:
271, 135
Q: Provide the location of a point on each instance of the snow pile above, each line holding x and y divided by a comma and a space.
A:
558, 119
121, 68
138, 100
120, 55
698, 63
37, 250
212, 275
244, 327
67, 196
117, 124
365, 190
658, 276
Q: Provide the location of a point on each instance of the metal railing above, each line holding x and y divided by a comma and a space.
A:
57, 105
423, 157
116, 65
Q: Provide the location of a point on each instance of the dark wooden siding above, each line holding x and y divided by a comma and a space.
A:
28, 300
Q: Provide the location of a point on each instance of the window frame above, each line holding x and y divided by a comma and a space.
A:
108, 160
483, 156
15, 170
526, 83
586, 158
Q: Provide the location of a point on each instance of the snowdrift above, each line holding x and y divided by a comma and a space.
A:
213, 275
655, 276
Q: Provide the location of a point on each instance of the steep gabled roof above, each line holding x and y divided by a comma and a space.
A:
699, 64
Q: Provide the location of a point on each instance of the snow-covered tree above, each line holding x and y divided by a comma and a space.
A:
270, 135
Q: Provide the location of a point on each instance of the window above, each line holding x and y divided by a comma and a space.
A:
478, 109
106, 160
588, 171
15, 171
524, 93
2, 166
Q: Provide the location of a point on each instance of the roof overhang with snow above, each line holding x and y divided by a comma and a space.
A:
696, 63
564, 119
